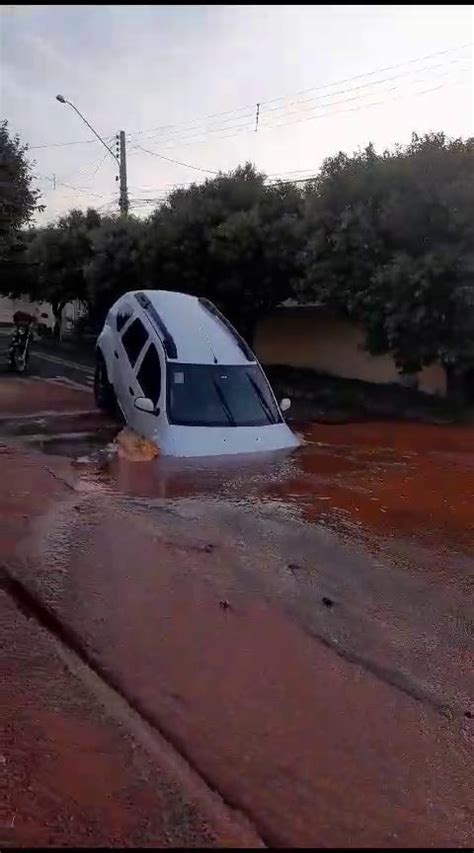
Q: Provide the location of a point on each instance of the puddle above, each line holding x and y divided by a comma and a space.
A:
75, 445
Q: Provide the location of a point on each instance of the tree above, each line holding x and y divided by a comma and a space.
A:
390, 242
115, 264
233, 239
58, 254
18, 201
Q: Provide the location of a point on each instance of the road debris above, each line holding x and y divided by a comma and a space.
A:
134, 447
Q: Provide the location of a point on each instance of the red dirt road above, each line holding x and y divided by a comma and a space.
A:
299, 630
81, 774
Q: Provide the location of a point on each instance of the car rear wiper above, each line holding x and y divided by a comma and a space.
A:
266, 408
224, 402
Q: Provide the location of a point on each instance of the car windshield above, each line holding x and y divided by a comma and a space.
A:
216, 395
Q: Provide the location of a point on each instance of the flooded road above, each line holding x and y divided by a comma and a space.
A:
299, 628
389, 480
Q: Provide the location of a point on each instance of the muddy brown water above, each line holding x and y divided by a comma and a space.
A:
315, 700
394, 480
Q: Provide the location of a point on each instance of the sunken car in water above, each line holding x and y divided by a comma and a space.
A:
182, 376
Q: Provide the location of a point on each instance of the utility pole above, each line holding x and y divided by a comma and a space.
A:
119, 156
123, 175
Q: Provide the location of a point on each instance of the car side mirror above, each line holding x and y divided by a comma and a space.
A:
144, 404
285, 404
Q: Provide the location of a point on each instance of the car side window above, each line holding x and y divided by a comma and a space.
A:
149, 375
123, 314
134, 339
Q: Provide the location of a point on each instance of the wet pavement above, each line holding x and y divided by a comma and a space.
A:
298, 628
77, 767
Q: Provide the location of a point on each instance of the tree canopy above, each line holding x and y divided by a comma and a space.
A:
384, 238
390, 242
18, 200
58, 255
115, 264
234, 239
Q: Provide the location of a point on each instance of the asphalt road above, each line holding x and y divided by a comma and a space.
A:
49, 364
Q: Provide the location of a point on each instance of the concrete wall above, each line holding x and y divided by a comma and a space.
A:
309, 337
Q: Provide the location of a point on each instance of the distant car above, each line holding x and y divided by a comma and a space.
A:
182, 376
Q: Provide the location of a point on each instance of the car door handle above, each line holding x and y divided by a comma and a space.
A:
116, 353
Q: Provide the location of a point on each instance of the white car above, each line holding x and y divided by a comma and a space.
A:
183, 377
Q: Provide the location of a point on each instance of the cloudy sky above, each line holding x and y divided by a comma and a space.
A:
184, 82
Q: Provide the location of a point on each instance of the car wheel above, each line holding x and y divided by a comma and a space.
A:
103, 391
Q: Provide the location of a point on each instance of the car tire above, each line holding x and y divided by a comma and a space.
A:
104, 393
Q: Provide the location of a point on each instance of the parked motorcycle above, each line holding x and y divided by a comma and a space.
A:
19, 349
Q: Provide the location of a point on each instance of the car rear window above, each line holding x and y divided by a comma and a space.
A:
149, 375
134, 339
124, 314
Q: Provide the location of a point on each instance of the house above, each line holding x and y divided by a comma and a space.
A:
9, 306
72, 312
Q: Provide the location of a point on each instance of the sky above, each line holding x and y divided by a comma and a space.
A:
184, 82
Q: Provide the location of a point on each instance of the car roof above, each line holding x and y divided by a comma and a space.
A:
200, 333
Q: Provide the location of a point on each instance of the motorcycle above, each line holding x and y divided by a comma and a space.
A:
19, 349
25, 327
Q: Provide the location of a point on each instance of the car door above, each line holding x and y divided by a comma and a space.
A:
133, 340
150, 378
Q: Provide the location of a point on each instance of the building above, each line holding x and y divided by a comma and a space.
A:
9, 306
72, 312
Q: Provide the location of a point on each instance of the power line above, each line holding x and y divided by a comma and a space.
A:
178, 185
202, 132
268, 101
276, 176
248, 119
81, 190
62, 144
91, 167
197, 139
351, 109
99, 165
143, 202
373, 73
203, 135
317, 88
193, 123
366, 85
170, 160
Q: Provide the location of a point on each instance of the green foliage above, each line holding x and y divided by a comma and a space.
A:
233, 239
57, 256
387, 239
390, 242
115, 264
18, 200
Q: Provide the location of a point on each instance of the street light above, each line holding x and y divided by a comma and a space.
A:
63, 100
